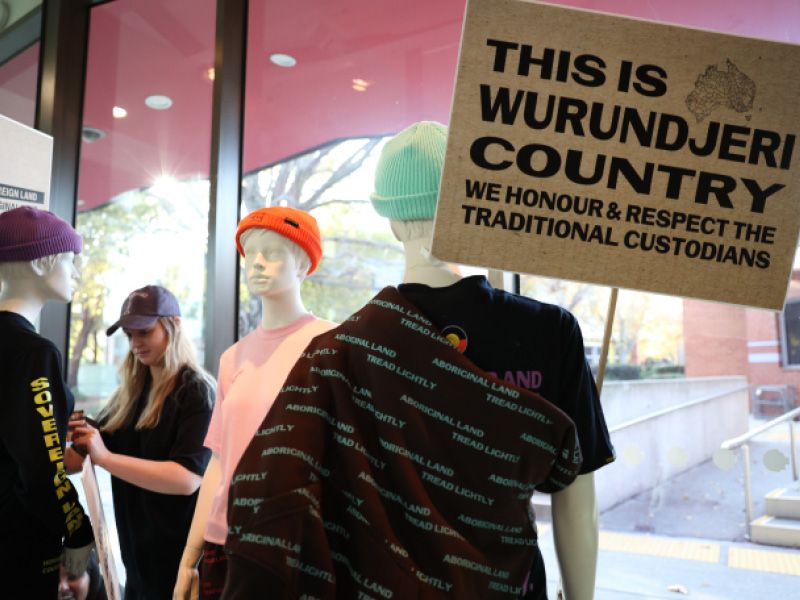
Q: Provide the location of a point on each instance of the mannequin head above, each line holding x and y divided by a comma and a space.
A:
281, 246
37, 260
409, 172
88, 586
406, 190
272, 263
53, 277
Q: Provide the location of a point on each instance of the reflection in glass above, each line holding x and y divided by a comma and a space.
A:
143, 181
18, 86
791, 321
11, 13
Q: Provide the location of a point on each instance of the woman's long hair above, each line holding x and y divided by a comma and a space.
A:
134, 375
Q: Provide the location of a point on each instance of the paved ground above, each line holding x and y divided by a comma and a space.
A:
705, 501
643, 567
687, 537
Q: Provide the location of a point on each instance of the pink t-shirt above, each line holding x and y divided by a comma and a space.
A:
251, 373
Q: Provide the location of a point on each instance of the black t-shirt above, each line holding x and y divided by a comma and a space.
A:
534, 345
38, 504
153, 527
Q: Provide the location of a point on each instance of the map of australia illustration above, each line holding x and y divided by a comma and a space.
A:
721, 88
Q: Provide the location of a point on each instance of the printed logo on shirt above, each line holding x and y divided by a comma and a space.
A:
530, 380
456, 336
42, 404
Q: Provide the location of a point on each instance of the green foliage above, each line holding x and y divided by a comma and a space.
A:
106, 232
332, 183
622, 372
626, 372
664, 372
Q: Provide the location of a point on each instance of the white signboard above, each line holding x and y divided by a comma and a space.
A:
102, 540
26, 157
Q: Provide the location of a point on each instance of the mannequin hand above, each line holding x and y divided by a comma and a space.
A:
76, 559
89, 437
187, 584
73, 461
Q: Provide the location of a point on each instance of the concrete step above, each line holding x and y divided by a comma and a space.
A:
784, 502
776, 531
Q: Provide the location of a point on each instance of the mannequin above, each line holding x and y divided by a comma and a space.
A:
280, 247
40, 505
574, 509
406, 189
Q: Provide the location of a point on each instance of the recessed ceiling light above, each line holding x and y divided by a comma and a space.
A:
119, 112
360, 85
158, 102
283, 60
210, 73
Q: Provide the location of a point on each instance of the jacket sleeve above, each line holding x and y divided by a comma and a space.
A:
37, 412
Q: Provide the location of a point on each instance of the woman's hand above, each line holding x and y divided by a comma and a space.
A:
89, 437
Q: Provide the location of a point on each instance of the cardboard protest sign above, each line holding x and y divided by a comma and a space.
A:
610, 150
102, 540
26, 157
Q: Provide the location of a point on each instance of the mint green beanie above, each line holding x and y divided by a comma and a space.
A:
409, 172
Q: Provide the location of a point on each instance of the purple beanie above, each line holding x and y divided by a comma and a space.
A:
28, 233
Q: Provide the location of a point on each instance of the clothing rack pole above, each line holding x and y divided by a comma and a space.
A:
612, 309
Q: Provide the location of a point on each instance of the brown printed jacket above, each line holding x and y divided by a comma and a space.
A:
390, 466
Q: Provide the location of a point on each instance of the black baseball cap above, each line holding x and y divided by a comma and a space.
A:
143, 306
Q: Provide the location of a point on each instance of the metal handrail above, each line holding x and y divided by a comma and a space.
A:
741, 442
674, 408
738, 441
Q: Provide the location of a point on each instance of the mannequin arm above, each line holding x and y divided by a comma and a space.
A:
575, 533
194, 542
73, 462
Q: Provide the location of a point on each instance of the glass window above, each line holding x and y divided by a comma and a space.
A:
14, 11
18, 86
326, 83
791, 333
143, 185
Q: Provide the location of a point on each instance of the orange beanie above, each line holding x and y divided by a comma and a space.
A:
297, 225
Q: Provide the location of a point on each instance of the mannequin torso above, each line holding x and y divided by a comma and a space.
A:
250, 374
574, 508
36, 400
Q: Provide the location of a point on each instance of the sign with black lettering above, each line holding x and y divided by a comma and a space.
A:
25, 161
621, 152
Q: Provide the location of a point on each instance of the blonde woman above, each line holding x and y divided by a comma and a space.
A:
151, 441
